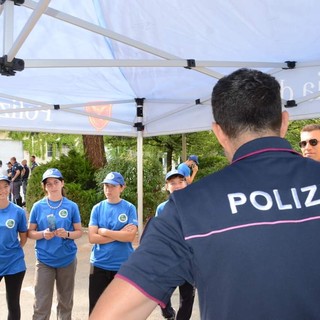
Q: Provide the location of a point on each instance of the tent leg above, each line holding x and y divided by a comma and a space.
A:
140, 181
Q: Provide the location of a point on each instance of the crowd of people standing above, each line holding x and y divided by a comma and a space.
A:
18, 174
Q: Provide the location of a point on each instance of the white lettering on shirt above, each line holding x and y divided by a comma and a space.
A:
266, 196
264, 201
312, 191
242, 199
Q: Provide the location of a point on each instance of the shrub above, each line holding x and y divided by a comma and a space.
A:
85, 199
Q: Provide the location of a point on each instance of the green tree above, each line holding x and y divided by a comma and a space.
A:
37, 143
94, 151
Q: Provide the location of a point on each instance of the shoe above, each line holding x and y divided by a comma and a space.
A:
172, 317
168, 312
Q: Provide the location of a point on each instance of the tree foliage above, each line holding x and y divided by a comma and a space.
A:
37, 142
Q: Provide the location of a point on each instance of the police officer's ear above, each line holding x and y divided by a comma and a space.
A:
219, 133
284, 124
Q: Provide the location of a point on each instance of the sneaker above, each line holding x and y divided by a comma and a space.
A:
168, 313
173, 316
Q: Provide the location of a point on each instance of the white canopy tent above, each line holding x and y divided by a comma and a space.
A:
145, 68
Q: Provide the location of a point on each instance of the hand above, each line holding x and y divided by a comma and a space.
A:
129, 227
47, 234
61, 233
195, 168
102, 231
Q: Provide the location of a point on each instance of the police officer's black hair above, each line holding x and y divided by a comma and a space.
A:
247, 100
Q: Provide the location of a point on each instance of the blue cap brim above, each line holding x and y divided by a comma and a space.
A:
52, 176
110, 182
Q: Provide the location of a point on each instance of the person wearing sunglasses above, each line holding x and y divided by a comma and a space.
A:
309, 141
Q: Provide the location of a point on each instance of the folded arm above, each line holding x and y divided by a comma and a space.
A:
126, 234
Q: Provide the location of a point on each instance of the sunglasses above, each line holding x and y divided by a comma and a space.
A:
312, 142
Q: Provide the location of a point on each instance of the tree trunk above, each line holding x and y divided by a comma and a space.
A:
169, 159
94, 150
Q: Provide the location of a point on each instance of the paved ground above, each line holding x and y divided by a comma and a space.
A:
80, 310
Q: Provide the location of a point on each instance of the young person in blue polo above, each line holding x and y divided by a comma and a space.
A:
175, 180
112, 229
54, 223
247, 235
13, 236
189, 168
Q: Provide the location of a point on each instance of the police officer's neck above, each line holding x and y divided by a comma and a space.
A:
233, 144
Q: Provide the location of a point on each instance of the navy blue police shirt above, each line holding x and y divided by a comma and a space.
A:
15, 167
248, 236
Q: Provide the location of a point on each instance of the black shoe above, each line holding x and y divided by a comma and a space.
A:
173, 316
168, 312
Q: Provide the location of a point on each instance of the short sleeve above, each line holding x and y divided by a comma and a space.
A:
133, 215
163, 260
94, 215
22, 225
76, 214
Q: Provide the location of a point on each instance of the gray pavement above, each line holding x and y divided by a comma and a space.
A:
80, 309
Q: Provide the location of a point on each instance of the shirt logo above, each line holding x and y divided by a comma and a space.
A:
123, 218
63, 213
10, 223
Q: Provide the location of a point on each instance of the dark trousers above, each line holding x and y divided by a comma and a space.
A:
187, 293
99, 279
16, 185
13, 289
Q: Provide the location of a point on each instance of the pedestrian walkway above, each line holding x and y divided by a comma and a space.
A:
80, 309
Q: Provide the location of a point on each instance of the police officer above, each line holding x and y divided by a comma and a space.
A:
247, 236
16, 181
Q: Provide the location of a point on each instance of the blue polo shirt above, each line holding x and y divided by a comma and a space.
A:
248, 236
160, 208
183, 168
56, 252
12, 221
113, 216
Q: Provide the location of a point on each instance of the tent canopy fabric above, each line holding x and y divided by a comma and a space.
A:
148, 67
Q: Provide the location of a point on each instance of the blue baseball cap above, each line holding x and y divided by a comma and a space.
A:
4, 178
174, 172
114, 178
52, 173
194, 158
